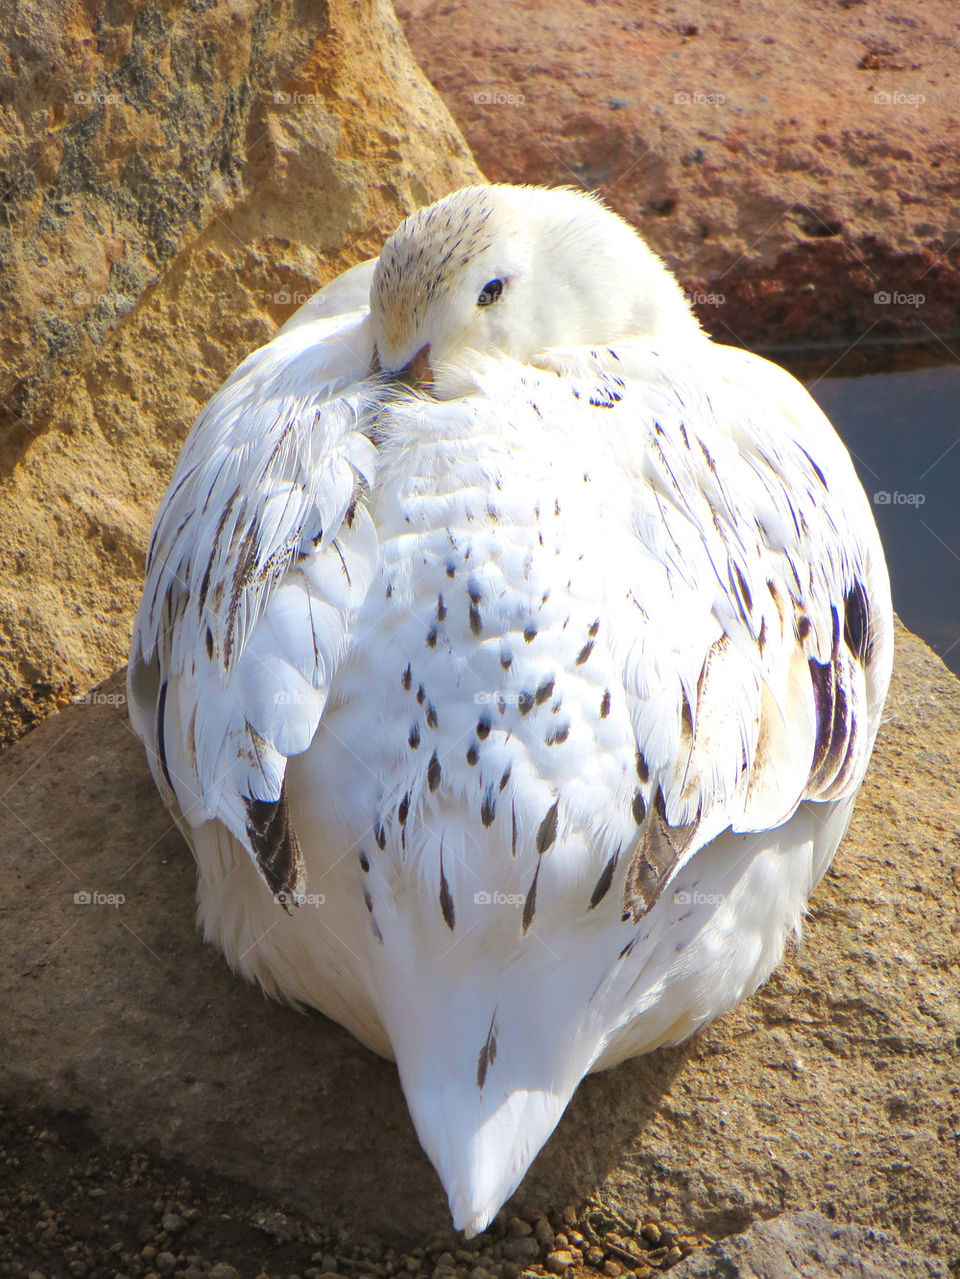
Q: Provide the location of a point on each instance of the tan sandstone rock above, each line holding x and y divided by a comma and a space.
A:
836, 1088
175, 180
807, 1245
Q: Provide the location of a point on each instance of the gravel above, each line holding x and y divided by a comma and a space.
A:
72, 1206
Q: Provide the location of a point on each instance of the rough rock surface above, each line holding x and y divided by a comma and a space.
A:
835, 1088
793, 160
175, 179
807, 1245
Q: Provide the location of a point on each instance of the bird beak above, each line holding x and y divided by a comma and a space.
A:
417, 372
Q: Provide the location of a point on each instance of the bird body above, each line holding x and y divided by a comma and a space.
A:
512, 715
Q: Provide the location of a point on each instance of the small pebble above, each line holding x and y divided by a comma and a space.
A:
570, 1215
594, 1256
612, 1269
651, 1232
673, 1256
543, 1233
629, 1247
521, 1249
172, 1223
221, 1270
517, 1228
165, 1262
558, 1262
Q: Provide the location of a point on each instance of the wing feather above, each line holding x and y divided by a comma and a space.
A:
766, 643
261, 555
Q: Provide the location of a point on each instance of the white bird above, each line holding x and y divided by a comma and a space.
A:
510, 655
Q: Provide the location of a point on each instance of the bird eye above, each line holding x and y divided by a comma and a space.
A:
490, 292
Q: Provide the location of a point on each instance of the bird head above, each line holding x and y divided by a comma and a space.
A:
515, 271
